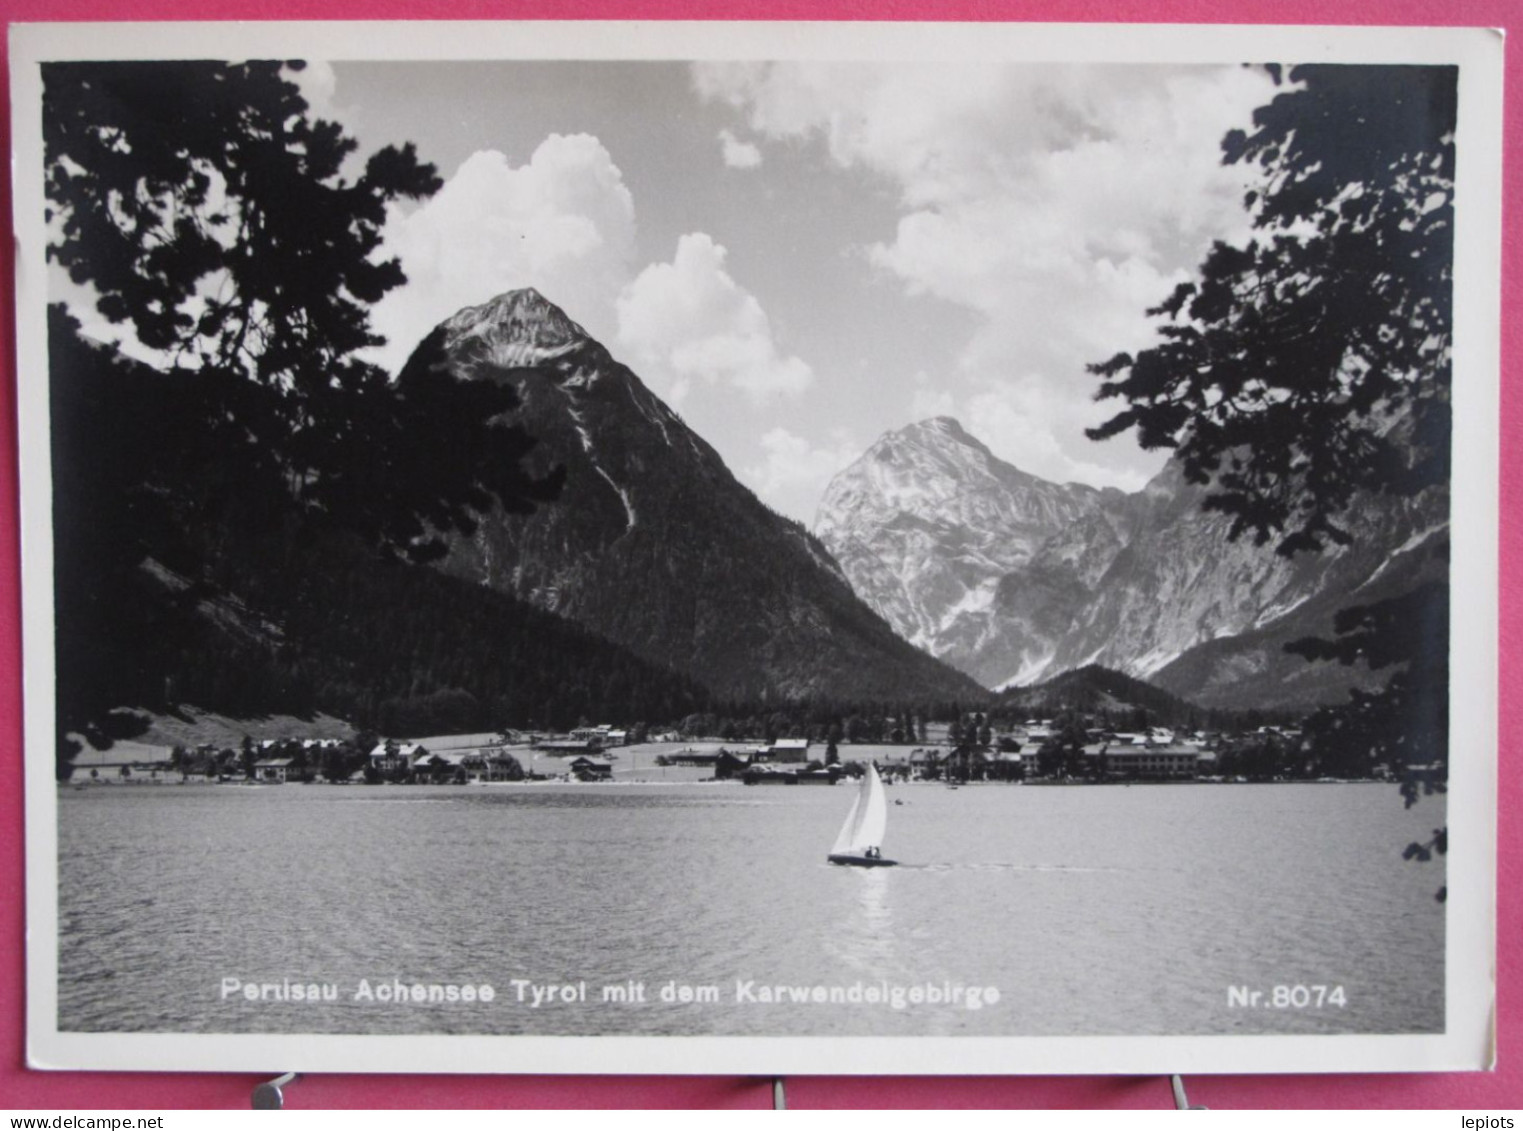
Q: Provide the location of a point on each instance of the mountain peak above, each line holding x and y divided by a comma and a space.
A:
939, 433
518, 327
945, 424
928, 523
933, 428
746, 603
948, 446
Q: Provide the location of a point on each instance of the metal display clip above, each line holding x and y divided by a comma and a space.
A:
1182, 1101
268, 1095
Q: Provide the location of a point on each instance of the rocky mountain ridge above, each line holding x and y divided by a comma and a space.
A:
653, 543
1015, 580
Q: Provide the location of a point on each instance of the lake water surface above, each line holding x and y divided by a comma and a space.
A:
1087, 909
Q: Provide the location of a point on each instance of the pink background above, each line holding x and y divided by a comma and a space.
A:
20, 1088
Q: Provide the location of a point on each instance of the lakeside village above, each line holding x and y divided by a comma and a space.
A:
1039, 751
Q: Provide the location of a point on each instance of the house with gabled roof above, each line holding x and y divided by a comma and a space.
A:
275, 769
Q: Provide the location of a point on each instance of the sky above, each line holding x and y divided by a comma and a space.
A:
799, 257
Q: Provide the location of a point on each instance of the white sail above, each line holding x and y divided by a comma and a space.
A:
842, 846
874, 820
868, 819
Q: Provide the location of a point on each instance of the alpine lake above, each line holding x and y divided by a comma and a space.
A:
682, 907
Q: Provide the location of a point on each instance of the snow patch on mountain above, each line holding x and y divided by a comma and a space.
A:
629, 508
1015, 580
1406, 547
580, 423
651, 412
1272, 613
1151, 661
978, 599
514, 330
1030, 672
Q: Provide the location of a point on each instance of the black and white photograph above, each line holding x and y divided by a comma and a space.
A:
694, 548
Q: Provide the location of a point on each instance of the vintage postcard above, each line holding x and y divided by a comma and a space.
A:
758, 548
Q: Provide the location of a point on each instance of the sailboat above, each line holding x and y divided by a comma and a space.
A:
861, 837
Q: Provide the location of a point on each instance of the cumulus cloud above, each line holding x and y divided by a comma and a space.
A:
317, 84
563, 222
688, 322
738, 154
934, 130
929, 400
1024, 425
792, 472
1056, 203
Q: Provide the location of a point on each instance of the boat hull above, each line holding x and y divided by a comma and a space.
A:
861, 861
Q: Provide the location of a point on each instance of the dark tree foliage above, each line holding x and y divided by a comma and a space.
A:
1404, 726
131, 464
407, 651
1313, 365
254, 615
211, 215
166, 175
1063, 753
1089, 688
1410, 633
1283, 368
1271, 756
432, 454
